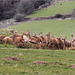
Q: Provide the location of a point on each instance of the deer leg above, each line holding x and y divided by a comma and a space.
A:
5, 44
74, 43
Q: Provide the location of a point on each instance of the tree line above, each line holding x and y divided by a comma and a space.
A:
20, 8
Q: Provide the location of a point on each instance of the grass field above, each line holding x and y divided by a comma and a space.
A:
56, 27
60, 61
65, 8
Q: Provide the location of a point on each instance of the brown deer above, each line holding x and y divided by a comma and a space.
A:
38, 38
1, 39
33, 40
61, 43
7, 40
52, 42
43, 39
72, 40
66, 42
16, 34
16, 37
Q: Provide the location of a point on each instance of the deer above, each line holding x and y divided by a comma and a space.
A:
72, 40
1, 39
33, 40
66, 42
16, 34
7, 40
38, 38
61, 43
51, 42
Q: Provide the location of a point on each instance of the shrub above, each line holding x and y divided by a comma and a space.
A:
25, 7
9, 9
44, 5
8, 14
19, 17
37, 3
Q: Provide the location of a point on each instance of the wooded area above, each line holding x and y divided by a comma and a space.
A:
9, 8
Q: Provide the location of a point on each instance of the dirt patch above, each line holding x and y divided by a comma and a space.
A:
12, 58
40, 62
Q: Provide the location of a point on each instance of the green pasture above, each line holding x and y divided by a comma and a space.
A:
60, 61
56, 27
65, 8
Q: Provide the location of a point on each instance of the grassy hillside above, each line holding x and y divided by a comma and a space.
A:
56, 27
60, 61
65, 8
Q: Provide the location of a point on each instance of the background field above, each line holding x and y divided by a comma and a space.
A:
65, 8
56, 27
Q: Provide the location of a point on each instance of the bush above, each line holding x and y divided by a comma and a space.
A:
19, 17
9, 9
37, 3
25, 7
8, 14
44, 5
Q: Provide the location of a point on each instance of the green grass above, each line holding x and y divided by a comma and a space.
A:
65, 8
56, 27
64, 58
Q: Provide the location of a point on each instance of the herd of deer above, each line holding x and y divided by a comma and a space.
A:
40, 42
